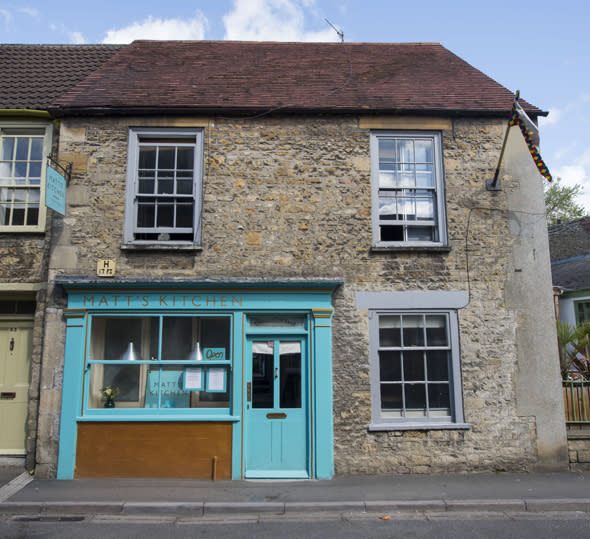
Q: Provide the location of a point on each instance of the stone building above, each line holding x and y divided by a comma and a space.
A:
32, 77
569, 246
282, 261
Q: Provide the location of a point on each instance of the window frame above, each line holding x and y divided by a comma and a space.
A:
130, 225
415, 302
47, 145
137, 409
583, 305
440, 228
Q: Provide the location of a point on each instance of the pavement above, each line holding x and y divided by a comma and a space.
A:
21, 494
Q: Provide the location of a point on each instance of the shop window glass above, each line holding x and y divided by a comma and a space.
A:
144, 361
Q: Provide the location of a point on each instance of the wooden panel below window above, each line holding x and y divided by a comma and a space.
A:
154, 449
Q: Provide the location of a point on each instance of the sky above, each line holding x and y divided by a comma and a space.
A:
541, 48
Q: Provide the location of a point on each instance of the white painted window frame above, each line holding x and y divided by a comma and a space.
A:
440, 218
47, 144
135, 135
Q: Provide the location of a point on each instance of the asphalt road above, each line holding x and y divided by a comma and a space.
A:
441, 526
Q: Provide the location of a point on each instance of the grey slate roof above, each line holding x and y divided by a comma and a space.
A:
208, 76
572, 274
32, 76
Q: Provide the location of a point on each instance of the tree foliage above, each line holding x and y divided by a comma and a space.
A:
560, 202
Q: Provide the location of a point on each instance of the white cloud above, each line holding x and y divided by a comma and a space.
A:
77, 38
6, 15
32, 12
577, 174
554, 117
272, 20
150, 28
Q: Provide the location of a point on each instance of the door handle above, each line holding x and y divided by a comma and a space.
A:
276, 372
249, 391
12, 344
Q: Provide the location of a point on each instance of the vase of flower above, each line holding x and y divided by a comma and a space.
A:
108, 394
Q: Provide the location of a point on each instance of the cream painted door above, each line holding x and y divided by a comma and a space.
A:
15, 365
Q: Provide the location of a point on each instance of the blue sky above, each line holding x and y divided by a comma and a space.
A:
541, 47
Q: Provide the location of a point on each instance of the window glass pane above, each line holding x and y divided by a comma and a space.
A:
165, 216
34, 171
32, 216
386, 150
420, 233
8, 148
184, 187
166, 158
436, 330
147, 157
405, 150
390, 366
146, 214
184, 215
20, 172
424, 151
413, 365
389, 331
22, 149
277, 322
388, 180
439, 398
262, 374
123, 380
415, 397
185, 158
165, 186
391, 397
424, 208
391, 233
177, 338
413, 330
36, 149
437, 362
407, 208
290, 379
146, 184
388, 209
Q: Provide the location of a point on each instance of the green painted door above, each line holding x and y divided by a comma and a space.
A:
276, 427
15, 364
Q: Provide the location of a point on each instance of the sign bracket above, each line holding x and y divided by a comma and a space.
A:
66, 170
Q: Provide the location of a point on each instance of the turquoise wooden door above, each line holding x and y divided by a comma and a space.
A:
276, 424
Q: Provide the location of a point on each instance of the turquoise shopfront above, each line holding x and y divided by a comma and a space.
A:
197, 380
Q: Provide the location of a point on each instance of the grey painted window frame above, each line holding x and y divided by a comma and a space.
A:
388, 303
135, 134
439, 189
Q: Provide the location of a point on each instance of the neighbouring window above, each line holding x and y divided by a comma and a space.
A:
415, 368
408, 190
160, 362
22, 177
164, 186
582, 311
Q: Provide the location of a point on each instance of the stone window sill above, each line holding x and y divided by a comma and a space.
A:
412, 249
377, 427
160, 247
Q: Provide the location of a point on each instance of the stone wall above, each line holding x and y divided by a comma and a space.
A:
578, 443
290, 197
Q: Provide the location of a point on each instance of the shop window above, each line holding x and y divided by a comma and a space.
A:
164, 187
407, 186
22, 177
159, 362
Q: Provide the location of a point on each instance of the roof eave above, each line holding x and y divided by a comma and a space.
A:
60, 112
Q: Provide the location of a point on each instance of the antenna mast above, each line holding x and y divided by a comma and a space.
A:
337, 30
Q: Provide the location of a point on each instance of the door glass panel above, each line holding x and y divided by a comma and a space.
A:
262, 374
290, 388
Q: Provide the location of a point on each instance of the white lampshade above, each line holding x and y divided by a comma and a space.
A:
196, 354
130, 354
